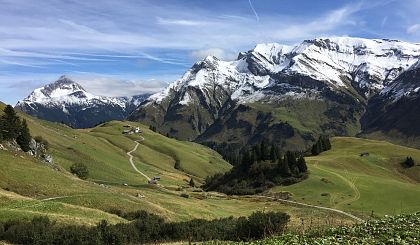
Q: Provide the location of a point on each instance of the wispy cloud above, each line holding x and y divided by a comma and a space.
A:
413, 29
149, 39
181, 22
257, 17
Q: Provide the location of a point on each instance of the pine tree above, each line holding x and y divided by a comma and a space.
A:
301, 163
10, 123
291, 157
327, 143
24, 138
316, 148
273, 153
283, 167
409, 162
192, 184
264, 151
257, 151
254, 157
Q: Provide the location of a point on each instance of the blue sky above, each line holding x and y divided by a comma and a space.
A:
131, 47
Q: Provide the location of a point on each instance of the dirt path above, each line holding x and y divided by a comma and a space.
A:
131, 159
314, 206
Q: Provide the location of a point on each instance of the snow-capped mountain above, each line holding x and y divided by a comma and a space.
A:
68, 102
338, 75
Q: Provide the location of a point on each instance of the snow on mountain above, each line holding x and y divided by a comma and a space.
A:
342, 63
406, 85
66, 91
67, 101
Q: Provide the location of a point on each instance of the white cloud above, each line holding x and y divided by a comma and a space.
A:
217, 52
111, 86
413, 29
181, 22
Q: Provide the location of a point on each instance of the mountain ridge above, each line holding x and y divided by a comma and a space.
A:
338, 74
68, 102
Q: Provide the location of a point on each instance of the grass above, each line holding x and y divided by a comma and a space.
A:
103, 149
336, 178
341, 178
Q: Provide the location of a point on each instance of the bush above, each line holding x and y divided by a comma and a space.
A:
147, 228
177, 164
80, 170
409, 162
185, 195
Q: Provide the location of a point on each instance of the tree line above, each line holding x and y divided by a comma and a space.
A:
12, 128
321, 145
146, 228
260, 168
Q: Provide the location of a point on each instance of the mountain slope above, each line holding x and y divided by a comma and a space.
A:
394, 113
113, 184
343, 179
67, 102
257, 96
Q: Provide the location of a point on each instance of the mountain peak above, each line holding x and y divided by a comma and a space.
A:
63, 87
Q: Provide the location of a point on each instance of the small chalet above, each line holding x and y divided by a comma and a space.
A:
152, 182
157, 178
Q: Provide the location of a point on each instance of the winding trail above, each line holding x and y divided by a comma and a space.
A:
131, 158
314, 206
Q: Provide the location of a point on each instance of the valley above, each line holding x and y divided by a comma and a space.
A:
339, 178
35, 188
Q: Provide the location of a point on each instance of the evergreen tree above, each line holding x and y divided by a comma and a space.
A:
10, 123
257, 150
192, 184
291, 157
301, 163
273, 153
316, 148
264, 151
283, 167
24, 138
254, 157
409, 162
327, 143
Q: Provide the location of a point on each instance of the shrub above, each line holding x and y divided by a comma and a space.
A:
177, 164
185, 195
409, 162
80, 170
147, 228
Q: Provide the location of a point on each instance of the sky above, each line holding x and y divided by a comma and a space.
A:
123, 48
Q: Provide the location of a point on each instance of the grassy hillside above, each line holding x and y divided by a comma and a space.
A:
341, 178
113, 184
